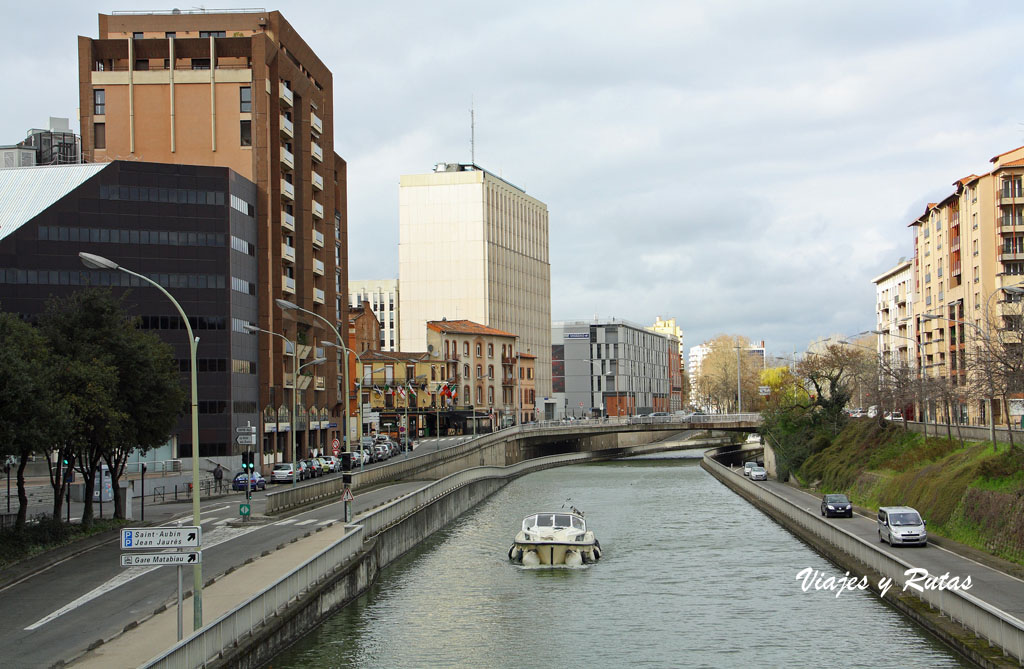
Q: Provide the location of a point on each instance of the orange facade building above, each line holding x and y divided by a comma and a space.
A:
243, 90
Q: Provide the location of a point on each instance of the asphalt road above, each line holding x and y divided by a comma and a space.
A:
997, 588
57, 613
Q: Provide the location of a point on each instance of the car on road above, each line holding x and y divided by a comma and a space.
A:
836, 505
241, 478
901, 526
326, 466
747, 466
758, 474
314, 468
283, 472
334, 462
381, 452
407, 444
894, 415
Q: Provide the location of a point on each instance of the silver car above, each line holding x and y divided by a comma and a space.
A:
758, 474
901, 525
747, 466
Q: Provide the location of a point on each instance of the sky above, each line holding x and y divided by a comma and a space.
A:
743, 167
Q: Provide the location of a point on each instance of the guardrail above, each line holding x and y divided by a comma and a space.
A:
983, 619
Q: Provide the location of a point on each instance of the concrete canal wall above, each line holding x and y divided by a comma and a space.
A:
981, 633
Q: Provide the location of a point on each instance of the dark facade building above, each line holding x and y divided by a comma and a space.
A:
190, 228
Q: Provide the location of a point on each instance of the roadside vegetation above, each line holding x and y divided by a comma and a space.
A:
971, 492
17, 544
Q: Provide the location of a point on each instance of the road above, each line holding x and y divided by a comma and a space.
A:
999, 589
57, 613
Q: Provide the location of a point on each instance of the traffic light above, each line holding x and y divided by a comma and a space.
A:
248, 461
245, 461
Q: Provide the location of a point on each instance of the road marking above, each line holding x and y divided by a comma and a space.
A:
285, 522
222, 522
210, 539
305, 522
326, 522
207, 520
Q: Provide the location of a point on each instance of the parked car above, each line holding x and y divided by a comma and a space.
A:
407, 444
326, 466
895, 415
381, 453
747, 466
758, 474
334, 462
836, 505
363, 457
314, 468
241, 478
283, 472
872, 411
901, 525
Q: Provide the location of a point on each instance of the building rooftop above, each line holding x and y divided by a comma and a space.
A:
465, 327
27, 191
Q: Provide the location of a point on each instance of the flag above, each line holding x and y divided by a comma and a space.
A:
378, 390
401, 392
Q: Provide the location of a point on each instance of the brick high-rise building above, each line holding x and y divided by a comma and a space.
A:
242, 90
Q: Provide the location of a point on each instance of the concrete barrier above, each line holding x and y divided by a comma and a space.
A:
984, 620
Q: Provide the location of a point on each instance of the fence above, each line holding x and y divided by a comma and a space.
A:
984, 620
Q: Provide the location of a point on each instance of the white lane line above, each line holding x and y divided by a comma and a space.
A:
305, 522
207, 520
285, 522
326, 522
212, 538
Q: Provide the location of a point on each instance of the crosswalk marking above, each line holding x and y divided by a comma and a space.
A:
222, 522
207, 520
325, 522
289, 521
306, 522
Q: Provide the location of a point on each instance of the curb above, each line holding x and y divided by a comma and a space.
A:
35, 564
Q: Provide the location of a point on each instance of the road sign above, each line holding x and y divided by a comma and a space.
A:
160, 559
246, 439
161, 537
764, 390
244, 509
246, 429
347, 496
335, 444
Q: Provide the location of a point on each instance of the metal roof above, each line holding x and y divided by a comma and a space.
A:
25, 192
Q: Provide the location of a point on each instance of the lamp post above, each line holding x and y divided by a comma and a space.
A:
739, 388
98, 262
359, 398
286, 305
293, 425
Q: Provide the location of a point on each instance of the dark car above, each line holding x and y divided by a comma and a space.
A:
314, 467
836, 505
258, 482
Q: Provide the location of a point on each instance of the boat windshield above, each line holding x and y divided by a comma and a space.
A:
554, 520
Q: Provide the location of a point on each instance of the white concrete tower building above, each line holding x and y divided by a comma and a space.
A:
382, 294
474, 247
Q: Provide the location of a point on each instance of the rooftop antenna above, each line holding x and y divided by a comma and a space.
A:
472, 132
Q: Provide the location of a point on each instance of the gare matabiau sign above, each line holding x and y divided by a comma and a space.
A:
161, 537
159, 559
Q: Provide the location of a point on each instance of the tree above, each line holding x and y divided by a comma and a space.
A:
31, 417
829, 375
716, 382
119, 381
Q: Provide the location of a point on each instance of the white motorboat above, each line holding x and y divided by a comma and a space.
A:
555, 538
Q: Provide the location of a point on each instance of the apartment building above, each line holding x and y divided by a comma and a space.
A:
382, 294
53, 145
479, 372
241, 89
472, 246
894, 311
968, 262
609, 368
695, 360
677, 360
189, 228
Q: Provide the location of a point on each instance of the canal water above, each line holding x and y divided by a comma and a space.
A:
692, 576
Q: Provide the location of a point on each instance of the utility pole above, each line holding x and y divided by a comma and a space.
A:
739, 389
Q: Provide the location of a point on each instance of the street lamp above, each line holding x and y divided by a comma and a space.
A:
98, 262
293, 423
286, 305
920, 373
359, 398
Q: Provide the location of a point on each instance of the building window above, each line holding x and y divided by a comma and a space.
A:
465, 371
200, 63
246, 133
479, 371
212, 33
141, 64
490, 371
490, 350
136, 35
490, 395
479, 395
465, 348
99, 133
245, 99
99, 101
479, 350
169, 35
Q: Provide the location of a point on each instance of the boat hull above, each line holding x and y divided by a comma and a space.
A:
553, 554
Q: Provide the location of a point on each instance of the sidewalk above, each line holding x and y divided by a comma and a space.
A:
160, 632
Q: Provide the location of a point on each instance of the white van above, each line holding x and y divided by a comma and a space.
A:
901, 525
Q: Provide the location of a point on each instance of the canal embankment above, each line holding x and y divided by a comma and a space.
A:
974, 627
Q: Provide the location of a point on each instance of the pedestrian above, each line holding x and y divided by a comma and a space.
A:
218, 477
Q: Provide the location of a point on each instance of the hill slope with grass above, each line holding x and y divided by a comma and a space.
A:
968, 492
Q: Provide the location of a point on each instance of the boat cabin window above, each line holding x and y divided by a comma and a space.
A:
563, 520
577, 523
559, 520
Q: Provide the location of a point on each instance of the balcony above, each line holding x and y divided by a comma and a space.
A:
318, 181
287, 221
287, 252
1011, 255
318, 210
287, 190
315, 123
287, 127
286, 94
287, 159
1009, 197
317, 152
288, 284
318, 239
318, 267
318, 296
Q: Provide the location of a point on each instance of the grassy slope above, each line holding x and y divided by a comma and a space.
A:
969, 493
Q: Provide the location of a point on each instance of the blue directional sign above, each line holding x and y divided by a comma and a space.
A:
161, 537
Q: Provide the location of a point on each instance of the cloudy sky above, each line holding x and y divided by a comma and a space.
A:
744, 167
